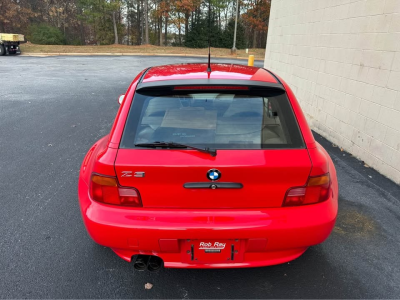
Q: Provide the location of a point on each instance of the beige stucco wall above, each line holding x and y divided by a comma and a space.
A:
342, 60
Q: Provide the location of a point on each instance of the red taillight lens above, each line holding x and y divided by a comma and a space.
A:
317, 190
129, 197
106, 190
211, 87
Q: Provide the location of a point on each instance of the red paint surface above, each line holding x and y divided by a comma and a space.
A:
266, 175
199, 71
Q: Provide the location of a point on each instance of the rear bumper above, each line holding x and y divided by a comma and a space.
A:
288, 232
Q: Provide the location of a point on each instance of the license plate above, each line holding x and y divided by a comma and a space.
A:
211, 251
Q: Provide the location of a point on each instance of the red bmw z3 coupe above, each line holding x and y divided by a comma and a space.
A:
208, 169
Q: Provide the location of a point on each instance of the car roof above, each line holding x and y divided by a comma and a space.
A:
199, 71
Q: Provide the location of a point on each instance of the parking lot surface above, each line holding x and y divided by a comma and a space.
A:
52, 109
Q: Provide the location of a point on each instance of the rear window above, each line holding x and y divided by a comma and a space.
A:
218, 120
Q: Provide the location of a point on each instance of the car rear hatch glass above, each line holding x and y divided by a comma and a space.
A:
260, 150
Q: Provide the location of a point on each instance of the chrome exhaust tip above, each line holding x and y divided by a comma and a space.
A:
141, 262
154, 264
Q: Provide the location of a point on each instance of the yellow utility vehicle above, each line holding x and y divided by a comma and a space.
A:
9, 43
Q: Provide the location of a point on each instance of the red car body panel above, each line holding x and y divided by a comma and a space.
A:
268, 175
132, 231
265, 232
199, 71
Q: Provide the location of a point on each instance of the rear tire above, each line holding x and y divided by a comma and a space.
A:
2, 50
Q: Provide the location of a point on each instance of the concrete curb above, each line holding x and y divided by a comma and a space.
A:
128, 54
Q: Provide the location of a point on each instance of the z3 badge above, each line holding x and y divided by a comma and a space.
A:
129, 174
126, 174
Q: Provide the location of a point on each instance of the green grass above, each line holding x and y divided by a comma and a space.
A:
142, 50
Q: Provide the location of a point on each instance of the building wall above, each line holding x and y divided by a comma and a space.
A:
342, 60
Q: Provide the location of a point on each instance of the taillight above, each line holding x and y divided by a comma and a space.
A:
317, 190
106, 190
211, 87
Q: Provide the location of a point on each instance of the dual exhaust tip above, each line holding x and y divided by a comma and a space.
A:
149, 262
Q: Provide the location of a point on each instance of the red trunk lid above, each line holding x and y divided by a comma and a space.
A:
266, 175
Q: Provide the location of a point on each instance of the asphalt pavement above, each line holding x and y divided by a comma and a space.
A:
52, 109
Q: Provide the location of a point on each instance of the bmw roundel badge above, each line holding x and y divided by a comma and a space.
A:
213, 174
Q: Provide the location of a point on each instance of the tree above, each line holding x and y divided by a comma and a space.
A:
229, 32
187, 7
256, 18
45, 35
101, 15
134, 22
204, 29
15, 15
164, 10
146, 20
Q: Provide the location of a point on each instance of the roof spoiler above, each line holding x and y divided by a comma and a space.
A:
251, 84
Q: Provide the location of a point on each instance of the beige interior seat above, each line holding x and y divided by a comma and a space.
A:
244, 106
